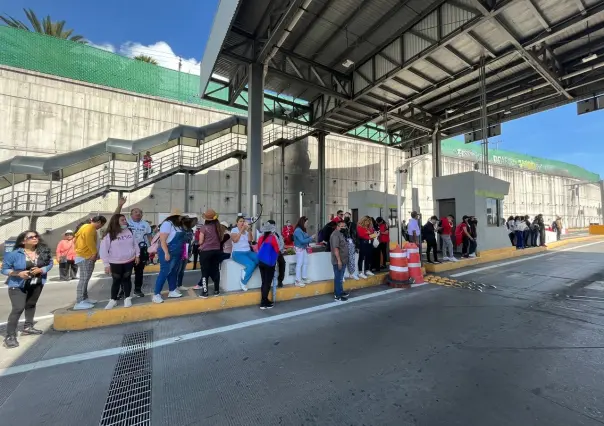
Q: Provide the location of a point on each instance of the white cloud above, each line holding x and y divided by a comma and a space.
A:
103, 46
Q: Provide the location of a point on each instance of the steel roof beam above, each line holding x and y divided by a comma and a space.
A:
538, 14
581, 6
440, 67
312, 25
480, 43
528, 56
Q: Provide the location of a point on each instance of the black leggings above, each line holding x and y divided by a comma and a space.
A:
121, 274
512, 238
209, 261
383, 248
365, 254
22, 300
431, 244
267, 274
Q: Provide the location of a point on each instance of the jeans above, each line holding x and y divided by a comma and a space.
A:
67, 270
22, 300
519, 239
121, 274
267, 273
534, 237
86, 268
527, 237
301, 263
431, 245
338, 276
447, 246
168, 270
248, 259
365, 255
210, 267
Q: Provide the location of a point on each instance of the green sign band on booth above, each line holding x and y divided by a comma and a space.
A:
489, 194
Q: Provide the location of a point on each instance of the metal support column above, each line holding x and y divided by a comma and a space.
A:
33, 223
254, 136
602, 201
187, 191
321, 178
484, 116
436, 152
282, 184
239, 185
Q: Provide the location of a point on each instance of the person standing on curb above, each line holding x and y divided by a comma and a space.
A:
268, 251
541, 224
280, 272
86, 248
558, 223
142, 234
66, 257
339, 260
352, 239
429, 234
446, 232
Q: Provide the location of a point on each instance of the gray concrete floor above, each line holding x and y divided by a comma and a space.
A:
521, 354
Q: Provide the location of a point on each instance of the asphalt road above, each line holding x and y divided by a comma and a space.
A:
522, 353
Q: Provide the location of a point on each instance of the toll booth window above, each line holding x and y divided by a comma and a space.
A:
493, 212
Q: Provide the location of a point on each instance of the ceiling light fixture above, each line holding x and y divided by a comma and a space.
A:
590, 58
450, 111
347, 63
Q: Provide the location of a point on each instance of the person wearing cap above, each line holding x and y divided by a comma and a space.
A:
210, 237
268, 252
66, 257
142, 234
169, 253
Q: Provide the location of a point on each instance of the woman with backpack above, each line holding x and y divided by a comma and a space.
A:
268, 252
119, 253
27, 267
168, 244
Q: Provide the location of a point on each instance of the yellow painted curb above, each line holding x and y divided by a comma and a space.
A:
70, 320
503, 254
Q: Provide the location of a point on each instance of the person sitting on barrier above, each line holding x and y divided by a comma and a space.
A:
301, 242
366, 235
268, 252
429, 234
27, 267
86, 248
119, 253
211, 234
339, 260
353, 240
169, 252
242, 253
510, 224
66, 257
519, 228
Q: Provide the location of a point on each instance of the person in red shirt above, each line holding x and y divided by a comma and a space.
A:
147, 164
288, 234
366, 235
462, 233
268, 252
445, 229
384, 240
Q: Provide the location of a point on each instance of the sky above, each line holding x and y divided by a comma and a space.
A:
168, 31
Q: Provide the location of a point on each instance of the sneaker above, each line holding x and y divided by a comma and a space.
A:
139, 293
306, 280
454, 259
204, 294
446, 259
243, 286
112, 304
216, 293
369, 273
127, 302
341, 299
268, 305
91, 301
346, 295
197, 287
362, 276
473, 255
157, 299
280, 285
11, 342
31, 330
355, 276
83, 305
436, 262
174, 294
300, 284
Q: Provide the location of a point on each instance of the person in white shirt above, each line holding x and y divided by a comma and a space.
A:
142, 234
413, 228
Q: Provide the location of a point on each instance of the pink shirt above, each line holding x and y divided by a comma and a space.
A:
121, 250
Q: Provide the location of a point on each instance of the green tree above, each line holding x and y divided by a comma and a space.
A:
145, 58
46, 26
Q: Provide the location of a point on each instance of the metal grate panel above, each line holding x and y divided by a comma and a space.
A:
129, 398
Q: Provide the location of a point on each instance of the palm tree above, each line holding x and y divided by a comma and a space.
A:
145, 58
47, 26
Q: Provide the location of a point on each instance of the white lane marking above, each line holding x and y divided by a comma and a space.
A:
511, 262
43, 317
25, 368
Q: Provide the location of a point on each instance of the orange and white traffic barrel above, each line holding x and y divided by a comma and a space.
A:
399, 272
414, 264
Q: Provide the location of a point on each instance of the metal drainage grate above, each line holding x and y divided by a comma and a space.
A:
129, 399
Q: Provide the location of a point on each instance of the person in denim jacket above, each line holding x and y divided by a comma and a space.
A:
26, 267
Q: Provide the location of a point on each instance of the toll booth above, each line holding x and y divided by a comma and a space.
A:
475, 194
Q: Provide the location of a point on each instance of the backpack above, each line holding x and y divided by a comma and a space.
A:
267, 254
155, 242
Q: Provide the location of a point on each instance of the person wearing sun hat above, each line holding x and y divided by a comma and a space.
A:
211, 234
169, 253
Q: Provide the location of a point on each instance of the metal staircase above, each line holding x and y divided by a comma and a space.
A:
68, 180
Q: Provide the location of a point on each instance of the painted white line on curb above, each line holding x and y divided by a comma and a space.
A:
512, 262
43, 317
25, 368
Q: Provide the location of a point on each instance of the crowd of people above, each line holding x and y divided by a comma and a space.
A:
524, 234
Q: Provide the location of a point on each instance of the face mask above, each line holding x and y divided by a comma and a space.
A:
346, 219
124, 226
342, 229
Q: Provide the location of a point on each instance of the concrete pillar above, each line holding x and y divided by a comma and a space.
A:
254, 135
33, 223
187, 191
602, 201
282, 184
239, 185
321, 178
436, 152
